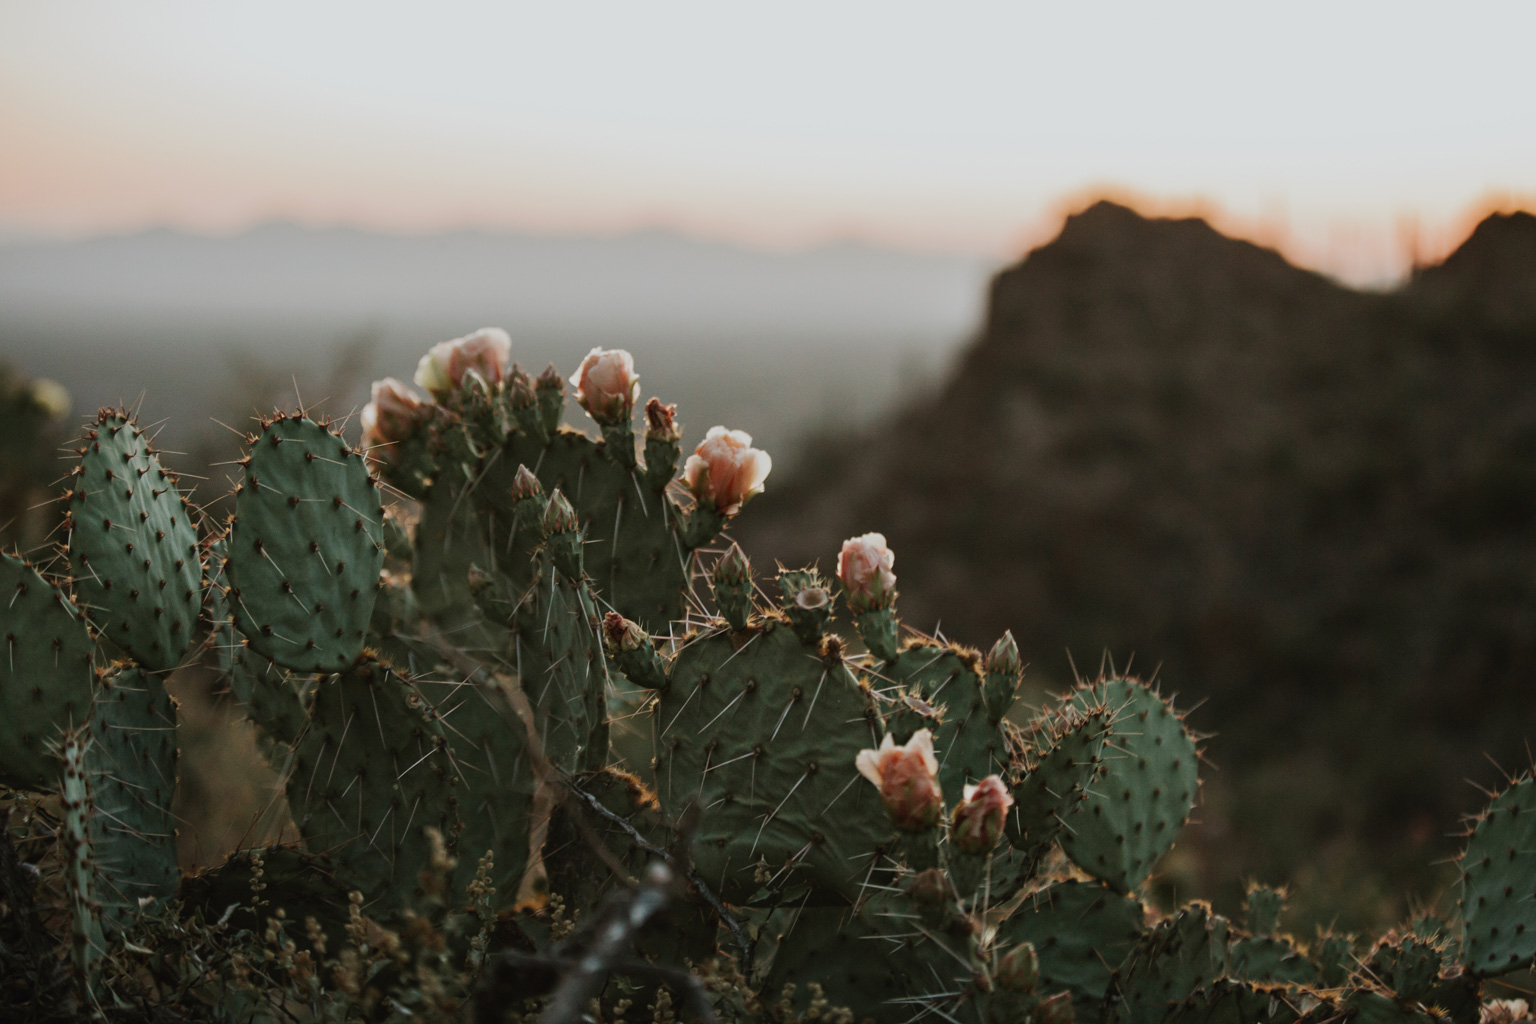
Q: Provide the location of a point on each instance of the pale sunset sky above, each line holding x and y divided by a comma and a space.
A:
1348, 134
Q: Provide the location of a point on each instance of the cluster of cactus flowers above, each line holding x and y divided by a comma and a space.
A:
552, 750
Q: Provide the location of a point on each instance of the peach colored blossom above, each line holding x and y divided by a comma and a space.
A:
606, 385
486, 352
725, 470
977, 824
864, 566
908, 779
392, 417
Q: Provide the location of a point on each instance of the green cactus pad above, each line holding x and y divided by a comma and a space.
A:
1367, 1005
133, 546
132, 765
559, 659
634, 551
82, 876
968, 742
1179, 959
1272, 958
1064, 757
370, 773
490, 749
46, 674
305, 547
1262, 907
1498, 884
1080, 931
1407, 966
275, 701
1230, 1001
1134, 812
843, 951
762, 732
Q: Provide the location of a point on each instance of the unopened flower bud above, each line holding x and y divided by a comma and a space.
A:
525, 484
661, 422
1019, 968
977, 824
732, 567
520, 388
485, 352
908, 779
1003, 659
725, 470
606, 385
550, 380
864, 566
621, 634
559, 516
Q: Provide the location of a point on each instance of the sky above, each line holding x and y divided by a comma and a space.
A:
1355, 137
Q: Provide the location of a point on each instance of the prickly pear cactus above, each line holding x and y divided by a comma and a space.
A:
1132, 818
1498, 883
47, 673
132, 545
305, 547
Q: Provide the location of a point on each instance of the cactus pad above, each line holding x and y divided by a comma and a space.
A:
46, 673
1498, 884
1080, 931
305, 548
763, 731
132, 545
1151, 776
132, 766
369, 775
1179, 959
1065, 756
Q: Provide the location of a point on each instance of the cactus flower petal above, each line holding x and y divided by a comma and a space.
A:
907, 776
486, 352
606, 385
725, 470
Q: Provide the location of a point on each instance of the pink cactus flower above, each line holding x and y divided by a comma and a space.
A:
908, 779
977, 824
486, 352
725, 470
864, 566
606, 385
392, 417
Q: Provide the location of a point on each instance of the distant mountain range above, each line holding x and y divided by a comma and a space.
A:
1313, 507
771, 342
651, 282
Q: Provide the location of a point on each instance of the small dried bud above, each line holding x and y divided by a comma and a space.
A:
976, 827
908, 779
622, 634
525, 484
559, 516
1019, 968
864, 566
661, 422
606, 385
812, 598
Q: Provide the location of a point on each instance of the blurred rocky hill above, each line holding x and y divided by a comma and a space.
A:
1313, 507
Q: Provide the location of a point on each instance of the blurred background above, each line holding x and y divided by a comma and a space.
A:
1199, 337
